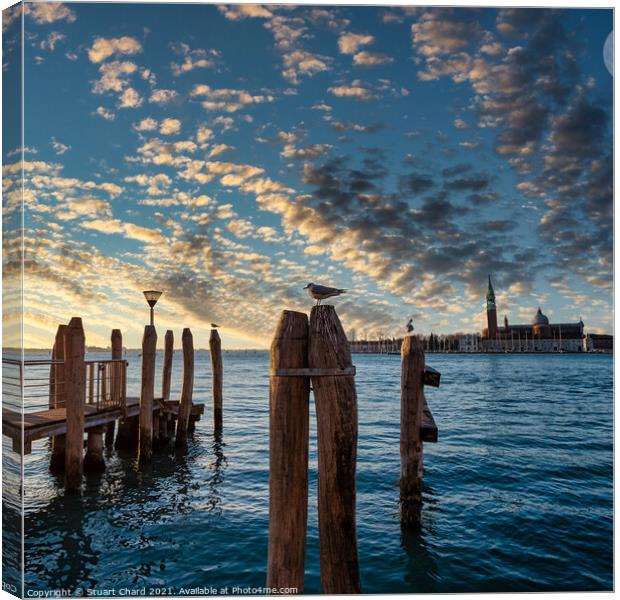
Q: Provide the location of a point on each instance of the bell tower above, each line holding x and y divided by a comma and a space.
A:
491, 312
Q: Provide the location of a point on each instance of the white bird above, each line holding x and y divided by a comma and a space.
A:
320, 292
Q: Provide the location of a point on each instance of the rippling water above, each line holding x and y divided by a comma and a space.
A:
517, 493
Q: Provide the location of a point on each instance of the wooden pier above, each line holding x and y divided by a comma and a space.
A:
52, 422
84, 398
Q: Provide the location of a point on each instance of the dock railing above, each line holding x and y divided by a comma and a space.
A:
30, 385
37, 385
106, 383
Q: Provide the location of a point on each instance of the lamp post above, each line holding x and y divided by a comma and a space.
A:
152, 296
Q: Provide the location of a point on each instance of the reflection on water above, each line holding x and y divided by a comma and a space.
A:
517, 493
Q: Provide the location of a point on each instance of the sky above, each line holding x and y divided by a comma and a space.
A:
230, 154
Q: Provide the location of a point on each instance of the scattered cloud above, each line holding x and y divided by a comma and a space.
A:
103, 48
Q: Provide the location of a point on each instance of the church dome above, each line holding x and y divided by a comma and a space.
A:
540, 318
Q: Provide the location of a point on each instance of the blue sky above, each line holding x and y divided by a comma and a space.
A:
230, 154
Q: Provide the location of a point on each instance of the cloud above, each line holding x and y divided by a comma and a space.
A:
59, 148
442, 31
227, 100
44, 13
104, 113
114, 76
355, 91
236, 12
371, 59
49, 43
349, 43
103, 48
162, 96
128, 230
298, 61
130, 99
170, 126
156, 184
193, 59
147, 124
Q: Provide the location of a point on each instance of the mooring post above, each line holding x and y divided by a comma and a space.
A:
93, 461
164, 419
75, 388
411, 408
336, 412
185, 406
57, 397
116, 340
217, 371
147, 393
288, 454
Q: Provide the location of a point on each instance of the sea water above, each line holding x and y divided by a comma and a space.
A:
517, 491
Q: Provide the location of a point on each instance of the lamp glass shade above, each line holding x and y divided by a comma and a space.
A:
152, 296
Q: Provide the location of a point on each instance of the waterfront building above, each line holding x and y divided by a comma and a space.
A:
470, 342
539, 336
596, 342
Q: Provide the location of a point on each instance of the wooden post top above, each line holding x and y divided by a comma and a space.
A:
328, 344
292, 326
149, 332
214, 335
169, 337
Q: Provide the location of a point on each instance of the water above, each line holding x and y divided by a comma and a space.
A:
517, 493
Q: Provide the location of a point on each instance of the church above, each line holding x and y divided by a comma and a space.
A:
539, 336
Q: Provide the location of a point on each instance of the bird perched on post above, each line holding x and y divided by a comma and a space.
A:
320, 292
410, 326
214, 325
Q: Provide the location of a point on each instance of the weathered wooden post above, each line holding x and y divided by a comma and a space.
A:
411, 411
147, 393
336, 411
215, 347
75, 388
185, 406
288, 453
164, 419
116, 340
93, 461
57, 397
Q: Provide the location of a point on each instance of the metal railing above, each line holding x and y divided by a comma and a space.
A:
29, 385
37, 385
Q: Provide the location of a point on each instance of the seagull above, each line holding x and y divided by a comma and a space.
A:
320, 292
214, 325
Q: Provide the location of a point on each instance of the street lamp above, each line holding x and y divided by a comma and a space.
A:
152, 297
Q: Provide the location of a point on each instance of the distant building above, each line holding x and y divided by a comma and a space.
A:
596, 342
470, 342
539, 336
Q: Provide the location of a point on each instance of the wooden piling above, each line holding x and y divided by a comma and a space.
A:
147, 393
185, 406
75, 388
93, 461
164, 419
116, 340
57, 397
336, 410
288, 454
217, 371
411, 409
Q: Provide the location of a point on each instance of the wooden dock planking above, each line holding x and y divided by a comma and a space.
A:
52, 422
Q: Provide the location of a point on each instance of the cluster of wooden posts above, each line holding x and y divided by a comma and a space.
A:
317, 352
145, 424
